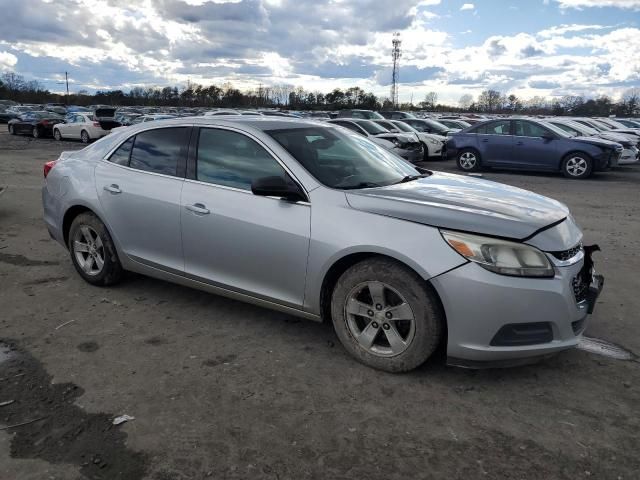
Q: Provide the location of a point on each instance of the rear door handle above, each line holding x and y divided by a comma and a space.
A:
519, 143
198, 208
485, 140
113, 188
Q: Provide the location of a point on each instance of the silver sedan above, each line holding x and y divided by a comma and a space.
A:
311, 219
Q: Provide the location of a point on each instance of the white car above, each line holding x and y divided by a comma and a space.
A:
432, 143
86, 126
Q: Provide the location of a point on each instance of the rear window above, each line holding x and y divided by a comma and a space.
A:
159, 150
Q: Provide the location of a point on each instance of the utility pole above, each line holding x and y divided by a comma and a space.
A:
396, 53
66, 79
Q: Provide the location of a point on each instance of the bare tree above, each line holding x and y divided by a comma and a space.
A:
465, 101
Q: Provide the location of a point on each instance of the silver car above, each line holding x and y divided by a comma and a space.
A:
311, 219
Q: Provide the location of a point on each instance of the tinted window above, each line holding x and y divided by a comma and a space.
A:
372, 127
158, 150
232, 159
528, 129
494, 128
121, 155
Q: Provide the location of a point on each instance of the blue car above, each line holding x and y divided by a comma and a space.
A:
528, 144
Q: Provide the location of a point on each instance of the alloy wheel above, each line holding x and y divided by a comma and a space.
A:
85, 137
57, 135
576, 166
36, 132
88, 250
379, 319
468, 160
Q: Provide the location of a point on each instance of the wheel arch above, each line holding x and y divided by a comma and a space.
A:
71, 213
345, 262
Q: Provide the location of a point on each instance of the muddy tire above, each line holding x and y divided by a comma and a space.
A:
386, 316
92, 251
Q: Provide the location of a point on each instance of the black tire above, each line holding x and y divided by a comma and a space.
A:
577, 166
111, 272
468, 160
84, 136
57, 135
35, 132
12, 131
428, 318
425, 156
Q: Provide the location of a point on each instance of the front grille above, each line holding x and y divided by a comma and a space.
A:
565, 255
580, 288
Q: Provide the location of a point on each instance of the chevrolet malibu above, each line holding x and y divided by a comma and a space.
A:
313, 220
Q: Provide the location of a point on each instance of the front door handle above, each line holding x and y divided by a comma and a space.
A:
198, 208
113, 188
519, 143
485, 140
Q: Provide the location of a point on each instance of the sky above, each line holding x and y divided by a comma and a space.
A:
453, 47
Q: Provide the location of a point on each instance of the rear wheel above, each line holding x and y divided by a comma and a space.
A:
12, 130
577, 166
84, 136
92, 251
468, 160
57, 135
35, 132
425, 149
385, 315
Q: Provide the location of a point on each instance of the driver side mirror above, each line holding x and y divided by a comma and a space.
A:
277, 186
548, 137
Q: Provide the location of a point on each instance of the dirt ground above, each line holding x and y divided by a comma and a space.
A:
224, 390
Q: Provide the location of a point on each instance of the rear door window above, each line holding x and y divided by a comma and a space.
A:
159, 150
502, 127
529, 129
122, 154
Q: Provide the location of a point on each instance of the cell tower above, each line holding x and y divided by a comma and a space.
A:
396, 53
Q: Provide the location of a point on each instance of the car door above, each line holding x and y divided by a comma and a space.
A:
495, 143
534, 146
237, 240
24, 123
139, 188
66, 129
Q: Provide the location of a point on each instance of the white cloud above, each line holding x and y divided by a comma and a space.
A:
467, 6
563, 29
634, 4
7, 61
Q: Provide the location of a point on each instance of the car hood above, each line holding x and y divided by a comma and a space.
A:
596, 141
463, 203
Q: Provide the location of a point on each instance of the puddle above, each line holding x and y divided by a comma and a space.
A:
606, 349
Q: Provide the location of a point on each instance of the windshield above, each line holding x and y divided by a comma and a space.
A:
341, 159
372, 128
404, 127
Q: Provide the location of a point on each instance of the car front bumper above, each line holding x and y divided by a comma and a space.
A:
629, 156
480, 304
411, 155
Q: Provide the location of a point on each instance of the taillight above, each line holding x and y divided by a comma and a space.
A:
48, 166
44, 123
96, 124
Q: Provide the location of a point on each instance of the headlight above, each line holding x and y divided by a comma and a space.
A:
500, 256
433, 141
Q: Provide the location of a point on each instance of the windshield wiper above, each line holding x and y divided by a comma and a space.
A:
362, 185
410, 178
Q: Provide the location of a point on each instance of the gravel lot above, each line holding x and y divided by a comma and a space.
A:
220, 389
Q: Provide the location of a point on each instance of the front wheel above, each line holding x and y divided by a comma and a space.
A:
84, 136
386, 316
12, 130
577, 166
92, 251
35, 132
468, 160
